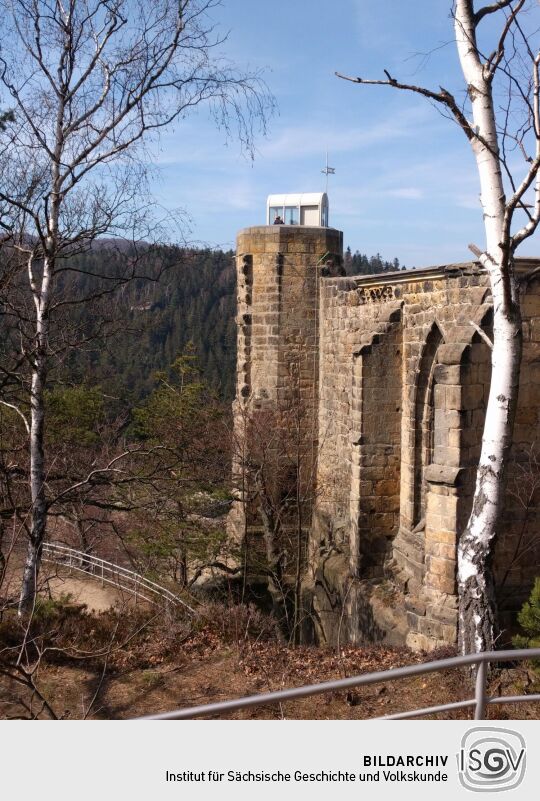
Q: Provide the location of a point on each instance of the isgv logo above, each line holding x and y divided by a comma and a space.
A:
491, 760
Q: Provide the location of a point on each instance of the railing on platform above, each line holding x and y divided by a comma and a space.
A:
108, 573
480, 702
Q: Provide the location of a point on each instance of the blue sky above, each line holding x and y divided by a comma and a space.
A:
405, 182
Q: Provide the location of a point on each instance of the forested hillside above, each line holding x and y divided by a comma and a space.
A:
193, 301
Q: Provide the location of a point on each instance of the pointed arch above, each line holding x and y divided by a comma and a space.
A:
423, 418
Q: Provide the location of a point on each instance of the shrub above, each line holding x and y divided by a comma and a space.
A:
529, 620
238, 623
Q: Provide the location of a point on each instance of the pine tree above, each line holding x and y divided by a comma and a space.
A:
529, 620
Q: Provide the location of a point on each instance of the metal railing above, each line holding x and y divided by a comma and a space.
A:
108, 573
480, 702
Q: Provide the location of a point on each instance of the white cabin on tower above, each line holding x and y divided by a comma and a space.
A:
307, 208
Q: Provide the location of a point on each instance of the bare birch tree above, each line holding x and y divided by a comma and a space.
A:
509, 69
88, 82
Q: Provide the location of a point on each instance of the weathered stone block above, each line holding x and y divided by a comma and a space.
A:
415, 606
447, 374
472, 396
453, 397
441, 583
431, 628
444, 615
452, 354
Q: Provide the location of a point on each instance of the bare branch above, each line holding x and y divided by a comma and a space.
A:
25, 677
533, 176
530, 276
491, 9
21, 415
496, 58
476, 250
443, 97
91, 84
482, 334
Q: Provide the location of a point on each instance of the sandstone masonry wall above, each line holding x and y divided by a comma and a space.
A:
404, 350
368, 395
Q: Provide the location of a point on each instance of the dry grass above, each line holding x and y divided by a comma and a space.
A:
132, 664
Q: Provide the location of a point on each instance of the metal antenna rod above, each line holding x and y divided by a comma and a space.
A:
328, 171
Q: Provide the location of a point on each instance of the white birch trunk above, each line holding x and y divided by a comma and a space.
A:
37, 455
477, 611
41, 291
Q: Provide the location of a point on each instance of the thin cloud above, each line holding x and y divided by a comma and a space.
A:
406, 193
310, 140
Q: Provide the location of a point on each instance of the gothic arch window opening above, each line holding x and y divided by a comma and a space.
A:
424, 427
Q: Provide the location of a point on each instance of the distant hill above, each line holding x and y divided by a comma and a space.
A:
143, 325
193, 302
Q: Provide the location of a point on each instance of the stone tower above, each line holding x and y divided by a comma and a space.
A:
275, 412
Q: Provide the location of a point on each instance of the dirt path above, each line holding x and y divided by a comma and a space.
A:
86, 591
57, 581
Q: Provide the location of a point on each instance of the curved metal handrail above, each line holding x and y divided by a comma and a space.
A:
110, 573
480, 701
